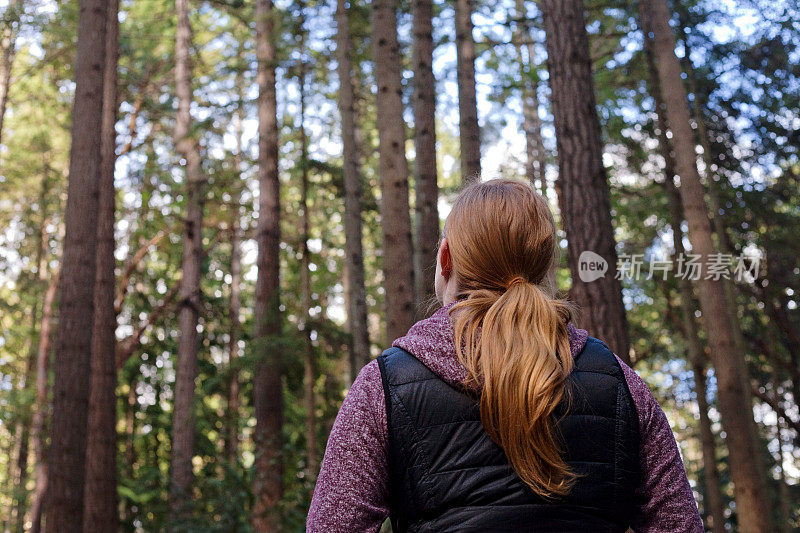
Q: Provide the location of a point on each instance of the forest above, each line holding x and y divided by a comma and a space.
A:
214, 213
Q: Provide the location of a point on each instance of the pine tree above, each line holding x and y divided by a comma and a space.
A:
398, 264
100, 499
183, 424
309, 359
232, 436
40, 414
536, 156
734, 399
713, 503
469, 129
356, 296
425, 175
267, 388
76, 298
582, 181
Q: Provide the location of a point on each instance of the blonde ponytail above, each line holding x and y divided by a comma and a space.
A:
510, 335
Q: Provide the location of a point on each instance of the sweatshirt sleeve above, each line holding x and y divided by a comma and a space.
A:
351, 494
666, 502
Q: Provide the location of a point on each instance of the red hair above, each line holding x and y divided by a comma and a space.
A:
510, 332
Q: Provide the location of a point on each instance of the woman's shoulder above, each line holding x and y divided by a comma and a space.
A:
596, 355
366, 394
649, 411
368, 372
367, 383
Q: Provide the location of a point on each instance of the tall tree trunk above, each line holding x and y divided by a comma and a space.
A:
8, 42
734, 398
234, 308
268, 401
717, 217
398, 264
235, 303
18, 470
40, 413
584, 194
713, 504
76, 301
469, 130
536, 156
356, 294
309, 363
100, 498
186, 369
18, 458
425, 177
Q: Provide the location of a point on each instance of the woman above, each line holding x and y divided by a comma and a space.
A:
496, 413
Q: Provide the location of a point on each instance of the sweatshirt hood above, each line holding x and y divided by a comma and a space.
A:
432, 342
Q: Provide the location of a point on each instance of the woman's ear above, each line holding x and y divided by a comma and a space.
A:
445, 260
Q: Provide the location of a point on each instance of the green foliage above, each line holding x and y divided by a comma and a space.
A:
746, 72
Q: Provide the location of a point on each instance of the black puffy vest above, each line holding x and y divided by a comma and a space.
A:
446, 474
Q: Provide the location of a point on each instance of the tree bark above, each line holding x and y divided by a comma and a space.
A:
40, 413
18, 470
100, 498
267, 389
425, 175
536, 156
713, 504
469, 130
8, 42
583, 184
235, 303
717, 217
181, 474
18, 458
734, 399
354, 252
76, 301
713, 507
234, 402
398, 264
309, 363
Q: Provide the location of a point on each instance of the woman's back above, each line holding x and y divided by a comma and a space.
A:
446, 474
498, 414
352, 491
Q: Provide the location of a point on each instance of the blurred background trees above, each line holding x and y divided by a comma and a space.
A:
249, 196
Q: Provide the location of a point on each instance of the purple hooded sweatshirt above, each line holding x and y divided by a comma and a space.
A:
351, 494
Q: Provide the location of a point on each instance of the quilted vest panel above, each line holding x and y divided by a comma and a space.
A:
446, 473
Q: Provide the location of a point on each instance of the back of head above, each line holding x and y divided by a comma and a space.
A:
510, 333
